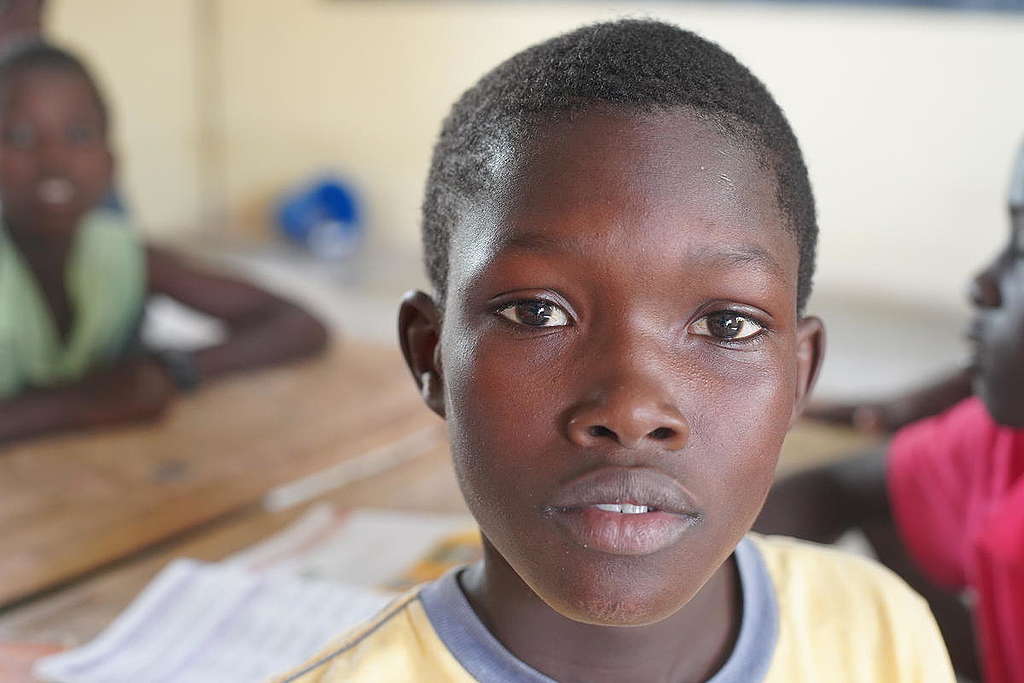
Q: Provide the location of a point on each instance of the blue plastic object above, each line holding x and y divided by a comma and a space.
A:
324, 217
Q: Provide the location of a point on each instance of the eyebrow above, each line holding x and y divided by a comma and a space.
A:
743, 254
730, 255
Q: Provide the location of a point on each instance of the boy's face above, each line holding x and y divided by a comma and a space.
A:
55, 164
998, 329
619, 360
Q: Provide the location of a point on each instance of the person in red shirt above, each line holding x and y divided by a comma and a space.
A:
943, 505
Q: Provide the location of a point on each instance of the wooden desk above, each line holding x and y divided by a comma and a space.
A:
73, 504
424, 481
78, 612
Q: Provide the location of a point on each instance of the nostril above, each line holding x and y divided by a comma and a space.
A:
662, 433
599, 431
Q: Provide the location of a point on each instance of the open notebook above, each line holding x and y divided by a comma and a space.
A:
270, 607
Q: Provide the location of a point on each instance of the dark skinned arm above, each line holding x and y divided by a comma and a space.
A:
135, 390
822, 503
893, 414
263, 329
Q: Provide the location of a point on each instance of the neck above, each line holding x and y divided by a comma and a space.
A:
40, 247
690, 645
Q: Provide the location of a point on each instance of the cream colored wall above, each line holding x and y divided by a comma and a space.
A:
143, 52
908, 119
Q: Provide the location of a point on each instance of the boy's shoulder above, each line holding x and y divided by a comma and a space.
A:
843, 613
839, 617
398, 644
800, 566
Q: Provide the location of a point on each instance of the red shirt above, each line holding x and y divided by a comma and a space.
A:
956, 486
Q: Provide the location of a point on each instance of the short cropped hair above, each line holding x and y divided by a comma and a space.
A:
39, 54
637, 66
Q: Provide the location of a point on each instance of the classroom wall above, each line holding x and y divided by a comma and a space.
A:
908, 118
143, 52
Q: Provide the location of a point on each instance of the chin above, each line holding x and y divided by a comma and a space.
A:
615, 597
1006, 408
1007, 418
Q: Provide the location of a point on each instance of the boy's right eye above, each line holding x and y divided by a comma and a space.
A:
535, 313
20, 136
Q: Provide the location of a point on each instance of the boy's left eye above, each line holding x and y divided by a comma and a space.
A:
726, 326
80, 133
535, 313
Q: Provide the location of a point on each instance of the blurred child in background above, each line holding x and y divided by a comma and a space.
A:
943, 504
74, 277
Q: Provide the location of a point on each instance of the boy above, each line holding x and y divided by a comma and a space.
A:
74, 277
948, 491
620, 233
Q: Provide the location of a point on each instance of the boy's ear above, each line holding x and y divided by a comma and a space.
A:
419, 333
810, 349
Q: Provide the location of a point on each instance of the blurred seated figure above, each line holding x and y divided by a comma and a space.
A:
943, 502
74, 277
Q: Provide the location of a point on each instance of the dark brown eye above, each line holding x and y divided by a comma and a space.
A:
727, 326
80, 134
535, 313
19, 136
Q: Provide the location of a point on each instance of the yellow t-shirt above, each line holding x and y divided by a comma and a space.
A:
810, 614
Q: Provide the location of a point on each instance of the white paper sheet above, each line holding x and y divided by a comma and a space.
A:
215, 623
263, 611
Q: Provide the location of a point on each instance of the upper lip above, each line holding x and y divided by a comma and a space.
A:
636, 485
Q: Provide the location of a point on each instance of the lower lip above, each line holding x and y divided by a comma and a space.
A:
623, 534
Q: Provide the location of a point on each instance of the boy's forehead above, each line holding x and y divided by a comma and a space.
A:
660, 177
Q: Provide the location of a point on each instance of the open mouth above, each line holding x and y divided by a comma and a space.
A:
56, 191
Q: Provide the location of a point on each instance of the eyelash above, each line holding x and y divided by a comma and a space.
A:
762, 328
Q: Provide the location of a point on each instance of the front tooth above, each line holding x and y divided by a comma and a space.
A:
56, 190
624, 508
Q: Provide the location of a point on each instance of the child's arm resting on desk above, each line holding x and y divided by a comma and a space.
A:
262, 328
822, 503
138, 389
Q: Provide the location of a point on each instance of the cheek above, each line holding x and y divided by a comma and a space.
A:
503, 403
15, 167
1008, 326
92, 170
741, 429
499, 402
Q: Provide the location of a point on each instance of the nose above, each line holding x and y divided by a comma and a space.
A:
51, 155
635, 414
984, 289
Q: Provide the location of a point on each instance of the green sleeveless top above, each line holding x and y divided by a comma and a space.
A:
106, 286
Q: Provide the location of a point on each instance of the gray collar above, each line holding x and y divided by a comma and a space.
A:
486, 659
